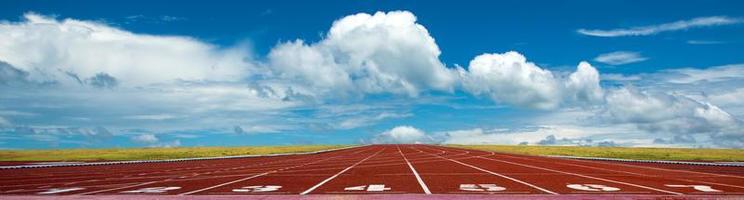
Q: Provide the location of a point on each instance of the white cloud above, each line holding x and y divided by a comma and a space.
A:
712, 74
509, 78
71, 51
145, 138
659, 112
362, 53
402, 134
366, 120
620, 58
654, 29
583, 85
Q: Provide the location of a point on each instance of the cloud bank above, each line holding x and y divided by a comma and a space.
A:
88, 75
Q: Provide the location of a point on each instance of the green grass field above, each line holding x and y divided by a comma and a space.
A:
619, 152
151, 153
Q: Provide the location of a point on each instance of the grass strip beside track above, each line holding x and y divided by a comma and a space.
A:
151, 153
636, 153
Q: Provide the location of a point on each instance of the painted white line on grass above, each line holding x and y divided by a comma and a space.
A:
499, 175
337, 174
418, 178
585, 176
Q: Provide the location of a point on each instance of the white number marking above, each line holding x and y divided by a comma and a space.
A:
702, 188
481, 187
593, 187
59, 190
258, 188
153, 190
370, 188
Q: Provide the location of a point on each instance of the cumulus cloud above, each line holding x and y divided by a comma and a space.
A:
380, 53
52, 50
654, 29
403, 135
620, 58
510, 78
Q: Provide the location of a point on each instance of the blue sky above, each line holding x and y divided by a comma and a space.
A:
80, 74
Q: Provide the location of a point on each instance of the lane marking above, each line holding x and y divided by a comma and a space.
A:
585, 176
418, 178
152, 190
481, 187
337, 174
633, 173
227, 183
60, 190
593, 187
499, 175
702, 188
369, 188
106, 190
258, 188
255, 176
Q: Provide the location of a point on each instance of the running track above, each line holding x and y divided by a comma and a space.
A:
375, 169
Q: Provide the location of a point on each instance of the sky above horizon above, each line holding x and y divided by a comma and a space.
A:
100, 74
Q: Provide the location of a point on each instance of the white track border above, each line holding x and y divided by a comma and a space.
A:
171, 160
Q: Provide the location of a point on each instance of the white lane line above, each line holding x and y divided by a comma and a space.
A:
228, 183
500, 175
106, 190
254, 176
418, 178
639, 174
585, 176
170, 179
337, 174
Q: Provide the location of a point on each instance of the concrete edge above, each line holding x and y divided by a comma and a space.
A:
652, 161
172, 160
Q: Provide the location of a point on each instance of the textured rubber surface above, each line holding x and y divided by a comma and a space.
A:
376, 170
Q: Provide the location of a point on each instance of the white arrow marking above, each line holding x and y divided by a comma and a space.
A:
59, 190
377, 188
152, 190
593, 187
370, 188
356, 188
258, 188
702, 188
481, 187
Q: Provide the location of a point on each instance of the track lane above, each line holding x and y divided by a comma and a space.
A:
448, 176
135, 175
411, 169
621, 175
385, 173
556, 180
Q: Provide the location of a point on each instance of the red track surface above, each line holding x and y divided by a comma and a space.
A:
378, 169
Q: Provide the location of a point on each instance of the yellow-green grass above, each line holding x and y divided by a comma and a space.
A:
151, 153
685, 154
